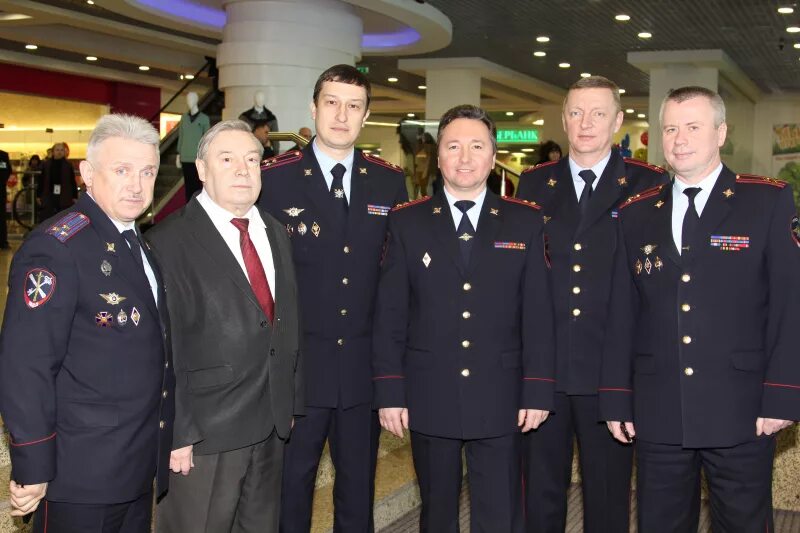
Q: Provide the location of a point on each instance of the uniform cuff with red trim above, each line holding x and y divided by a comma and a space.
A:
616, 404
33, 461
781, 401
389, 391
538, 393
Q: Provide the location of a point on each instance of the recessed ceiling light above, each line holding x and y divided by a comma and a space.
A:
564, 65
641, 115
509, 113
539, 122
585, 74
189, 76
644, 35
90, 2
31, 47
539, 53
622, 18
91, 58
797, 45
392, 80
622, 91
785, 10
422, 87
527, 150
411, 115
502, 151
793, 29
543, 39
630, 110
144, 67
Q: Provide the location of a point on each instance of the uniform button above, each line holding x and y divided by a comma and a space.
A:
465, 344
465, 372
164, 394
166, 364
162, 424
686, 278
467, 286
272, 351
345, 281
576, 290
577, 247
465, 315
347, 249
686, 339
576, 312
343, 312
340, 342
576, 268
686, 308
688, 371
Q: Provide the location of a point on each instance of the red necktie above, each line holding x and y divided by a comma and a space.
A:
255, 270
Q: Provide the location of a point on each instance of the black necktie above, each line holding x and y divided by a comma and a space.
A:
588, 177
337, 187
465, 231
136, 247
690, 220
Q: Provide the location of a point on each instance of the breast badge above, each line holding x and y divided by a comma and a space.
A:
637, 267
122, 317
293, 211
112, 298
40, 284
302, 229
648, 249
105, 268
104, 319
135, 316
426, 260
315, 229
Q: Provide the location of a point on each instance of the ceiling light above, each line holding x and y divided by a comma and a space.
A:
189, 76
797, 45
411, 115
785, 10
91, 58
641, 115
90, 2
502, 151
564, 65
144, 67
422, 87
622, 91
539, 122
509, 113
392, 80
793, 29
527, 150
622, 18
543, 39
585, 74
630, 110
644, 35
31, 47
539, 53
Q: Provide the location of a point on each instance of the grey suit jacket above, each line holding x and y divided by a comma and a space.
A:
238, 376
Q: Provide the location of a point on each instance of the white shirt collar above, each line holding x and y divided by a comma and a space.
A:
326, 162
221, 217
473, 212
598, 169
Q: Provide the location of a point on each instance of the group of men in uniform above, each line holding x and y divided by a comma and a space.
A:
303, 300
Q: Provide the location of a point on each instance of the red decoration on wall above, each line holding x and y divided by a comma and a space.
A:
644, 138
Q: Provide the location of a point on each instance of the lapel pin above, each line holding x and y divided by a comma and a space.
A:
293, 211
426, 260
623, 181
728, 193
307, 171
110, 247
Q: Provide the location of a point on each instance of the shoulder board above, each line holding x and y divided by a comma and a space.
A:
527, 203
283, 159
68, 226
654, 168
412, 202
378, 161
649, 193
540, 165
760, 180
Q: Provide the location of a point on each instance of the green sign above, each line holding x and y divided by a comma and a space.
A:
518, 136
363, 69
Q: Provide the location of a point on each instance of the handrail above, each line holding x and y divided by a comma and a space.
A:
299, 140
183, 88
503, 171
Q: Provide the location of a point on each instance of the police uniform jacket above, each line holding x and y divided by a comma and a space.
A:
337, 267
86, 383
464, 347
582, 252
701, 345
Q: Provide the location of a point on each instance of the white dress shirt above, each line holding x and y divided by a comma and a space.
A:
474, 212
578, 182
221, 218
680, 202
326, 163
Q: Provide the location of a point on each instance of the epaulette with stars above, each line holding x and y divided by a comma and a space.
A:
283, 159
382, 162
760, 180
526, 203
68, 226
540, 165
644, 164
649, 193
412, 202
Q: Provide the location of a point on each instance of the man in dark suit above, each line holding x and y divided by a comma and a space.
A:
580, 196
464, 343
235, 331
701, 356
5, 173
334, 201
86, 383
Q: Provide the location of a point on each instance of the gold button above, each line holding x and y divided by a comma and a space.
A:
465, 372
466, 315
343, 312
686, 308
576, 268
576, 312
688, 371
347, 249
340, 342
345, 281
686, 278
467, 286
576, 290
162, 424
164, 394
465, 344
686, 339
577, 247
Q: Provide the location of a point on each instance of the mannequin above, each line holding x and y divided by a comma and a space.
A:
192, 126
259, 111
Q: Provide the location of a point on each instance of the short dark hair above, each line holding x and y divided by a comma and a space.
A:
596, 82
259, 123
682, 94
470, 112
343, 74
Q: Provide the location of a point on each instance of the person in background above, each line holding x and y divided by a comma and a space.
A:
549, 151
425, 166
57, 188
261, 132
305, 133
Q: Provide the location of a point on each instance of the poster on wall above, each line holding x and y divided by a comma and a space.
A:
786, 155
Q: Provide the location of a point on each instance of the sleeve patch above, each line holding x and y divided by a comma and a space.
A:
795, 227
40, 284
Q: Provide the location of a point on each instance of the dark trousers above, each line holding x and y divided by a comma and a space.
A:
4, 217
191, 180
235, 491
739, 481
61, 517
605, 470
352, 436
494, 476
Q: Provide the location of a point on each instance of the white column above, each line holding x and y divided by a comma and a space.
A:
281, 48
450, 87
